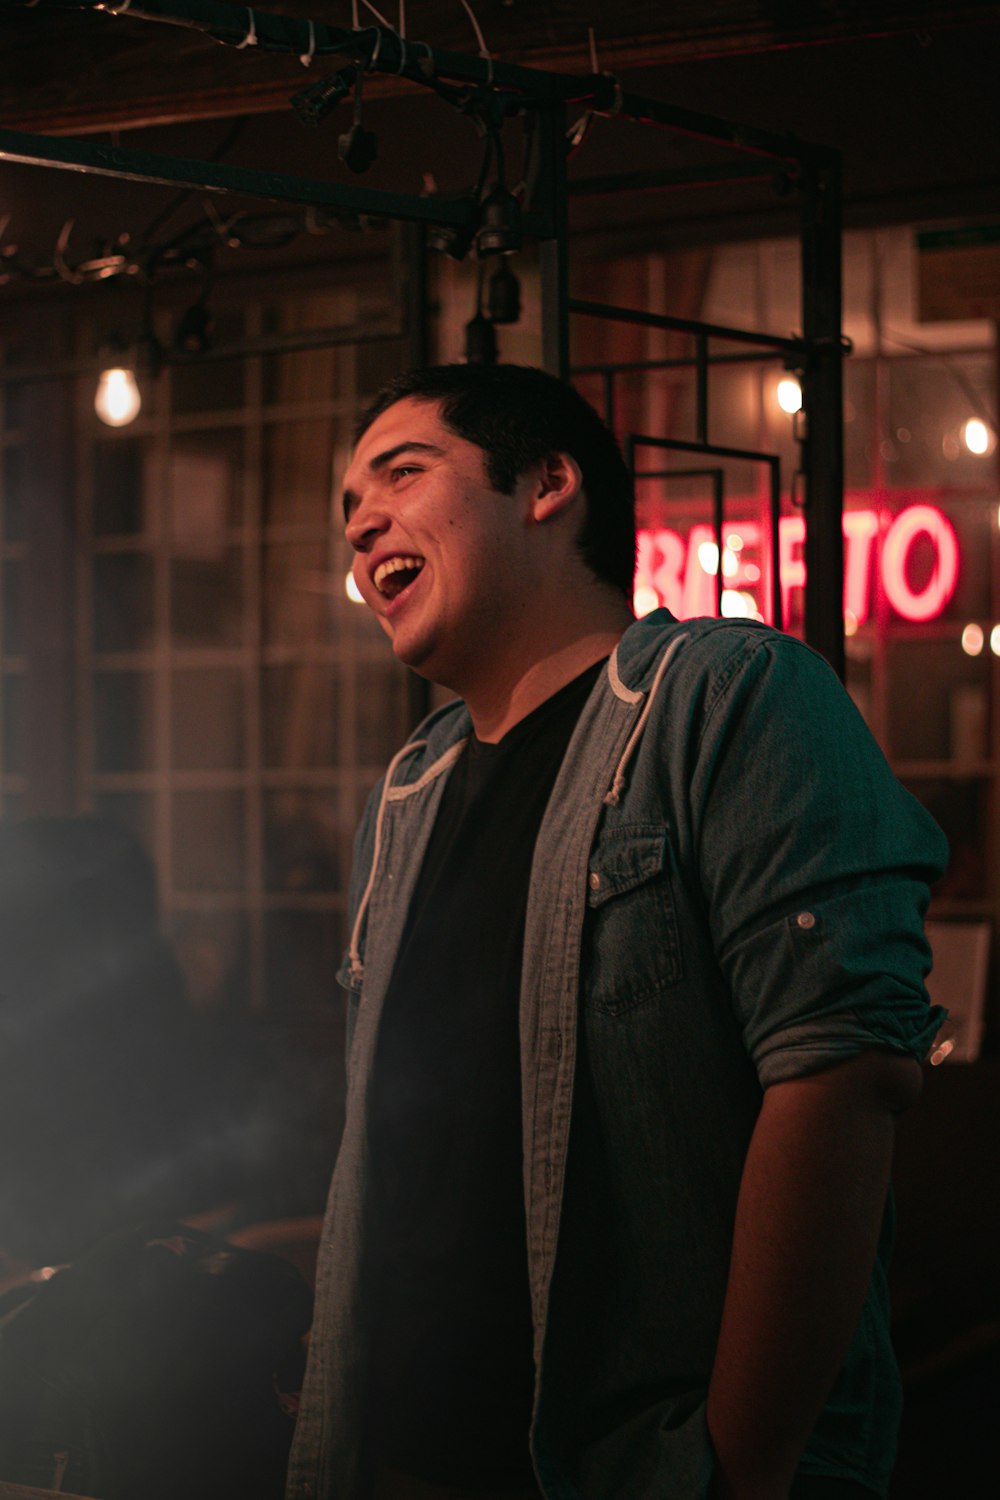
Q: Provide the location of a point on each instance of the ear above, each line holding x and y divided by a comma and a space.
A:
557, 484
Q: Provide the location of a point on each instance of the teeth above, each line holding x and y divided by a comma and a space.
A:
395, 565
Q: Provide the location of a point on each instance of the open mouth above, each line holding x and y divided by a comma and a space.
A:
396, 574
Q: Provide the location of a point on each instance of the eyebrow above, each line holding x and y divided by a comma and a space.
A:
411, 445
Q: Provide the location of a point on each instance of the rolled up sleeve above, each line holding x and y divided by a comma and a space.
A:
815, 864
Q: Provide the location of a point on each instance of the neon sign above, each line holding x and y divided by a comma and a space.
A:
682, 573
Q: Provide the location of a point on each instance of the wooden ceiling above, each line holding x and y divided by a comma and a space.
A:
69, 71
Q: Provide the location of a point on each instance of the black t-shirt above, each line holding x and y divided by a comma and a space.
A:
451, 1374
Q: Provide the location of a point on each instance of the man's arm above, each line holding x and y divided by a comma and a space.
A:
807, 1226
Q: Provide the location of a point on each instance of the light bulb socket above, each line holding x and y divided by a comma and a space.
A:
500, 229
453, 240
193, 334
503, 296
313, 104
480, 341
357, 148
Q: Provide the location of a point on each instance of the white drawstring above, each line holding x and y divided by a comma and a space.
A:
613, 796
357, 967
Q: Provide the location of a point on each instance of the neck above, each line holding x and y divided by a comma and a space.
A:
505, 699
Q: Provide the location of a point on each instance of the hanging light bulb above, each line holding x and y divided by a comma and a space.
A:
977, 436
117, 401
789, 395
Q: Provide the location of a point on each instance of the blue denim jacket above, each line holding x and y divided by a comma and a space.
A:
727, 891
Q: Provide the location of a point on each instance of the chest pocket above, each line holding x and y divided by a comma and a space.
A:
631, 950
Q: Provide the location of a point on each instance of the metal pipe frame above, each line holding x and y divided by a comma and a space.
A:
633, 441
509, 90
717, 476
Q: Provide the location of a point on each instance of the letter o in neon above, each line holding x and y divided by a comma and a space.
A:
908, 525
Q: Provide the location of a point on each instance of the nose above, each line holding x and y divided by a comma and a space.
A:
367, 522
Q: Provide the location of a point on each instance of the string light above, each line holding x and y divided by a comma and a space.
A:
973, 640
995, 640
789, 395
977, 436
118, 400
351, 589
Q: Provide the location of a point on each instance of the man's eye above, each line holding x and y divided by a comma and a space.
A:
402, 470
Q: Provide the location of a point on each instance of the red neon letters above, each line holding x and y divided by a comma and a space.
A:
681, 574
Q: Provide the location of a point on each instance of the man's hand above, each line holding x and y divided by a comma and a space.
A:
807, 1225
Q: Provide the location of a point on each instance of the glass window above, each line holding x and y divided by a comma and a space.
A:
208, 731
13, 494
960, 807
300, 712
205, 385
123, 601
859, 424
11, 610
303, 954
206, 599
301, 596
938, 700
377, 364
382, 713
205, 483
124, 721
120, 498
298, 473
930, 400
303, 841
134, 810
213, 952
208, 831
14, 750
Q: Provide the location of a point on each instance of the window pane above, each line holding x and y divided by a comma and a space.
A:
208, 724
208, 841
929, 402
134, 810
13, 494
298, 473
215, 385
300, 715
14, 757
120, 500
377, 364
206, 600
211, 948
938, 701
859, 424
123, 602
205, 485
960, 807
303, 841
212, 384
303, 952
382, 714
301, 595
307, 374
13, 633
124, 724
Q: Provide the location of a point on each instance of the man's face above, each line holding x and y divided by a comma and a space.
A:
440, 557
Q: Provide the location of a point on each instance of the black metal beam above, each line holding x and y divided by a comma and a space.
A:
684, 325
70, 154
554, 249
421, 63
822, 405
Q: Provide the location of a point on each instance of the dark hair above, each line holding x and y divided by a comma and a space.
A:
518, 415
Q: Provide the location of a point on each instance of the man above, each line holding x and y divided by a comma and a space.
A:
635, 993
